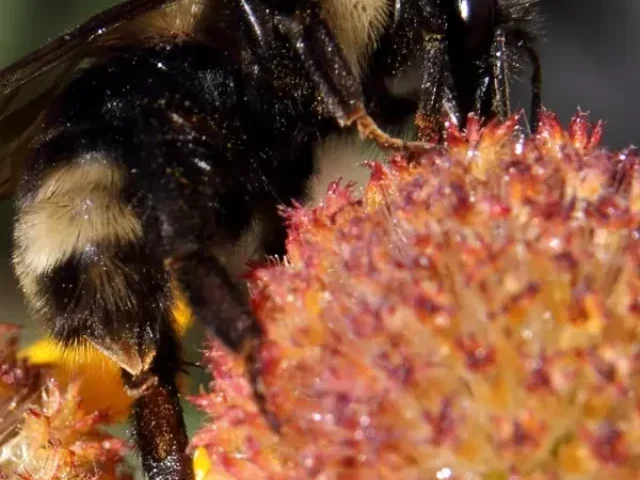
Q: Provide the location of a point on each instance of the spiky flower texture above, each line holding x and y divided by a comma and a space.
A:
475, 315
46, 431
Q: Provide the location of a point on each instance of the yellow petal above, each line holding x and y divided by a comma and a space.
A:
182, 314
101, 387
201, 463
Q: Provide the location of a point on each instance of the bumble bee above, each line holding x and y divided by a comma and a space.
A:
152, 142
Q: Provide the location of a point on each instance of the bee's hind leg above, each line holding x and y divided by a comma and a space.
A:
83, 261
158, 425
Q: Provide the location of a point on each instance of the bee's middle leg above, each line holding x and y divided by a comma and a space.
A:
222, 308
303, 24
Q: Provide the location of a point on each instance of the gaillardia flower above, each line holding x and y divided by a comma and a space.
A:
475, 315
54, 403
46, 431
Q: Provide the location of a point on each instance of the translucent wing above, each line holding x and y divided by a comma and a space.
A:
30, 84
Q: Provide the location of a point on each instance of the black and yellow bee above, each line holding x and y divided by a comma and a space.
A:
157, 140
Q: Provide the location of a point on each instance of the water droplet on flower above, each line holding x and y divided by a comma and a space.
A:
444, 473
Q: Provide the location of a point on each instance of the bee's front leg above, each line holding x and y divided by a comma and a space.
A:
525, 43
436, 90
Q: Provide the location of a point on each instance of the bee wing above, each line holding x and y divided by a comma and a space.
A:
67, 45
19, 112
28, 85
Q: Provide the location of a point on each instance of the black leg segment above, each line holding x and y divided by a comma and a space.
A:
158, 424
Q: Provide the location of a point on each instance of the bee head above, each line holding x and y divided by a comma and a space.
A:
471, 25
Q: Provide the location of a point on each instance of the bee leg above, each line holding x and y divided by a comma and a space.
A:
482, 94
500, 76
256, 18
140, 385
219, 304
215, 299
158, 425
536, 84
436, 92
339, 87
83, 262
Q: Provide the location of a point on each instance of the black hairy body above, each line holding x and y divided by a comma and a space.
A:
161, 157
208, 152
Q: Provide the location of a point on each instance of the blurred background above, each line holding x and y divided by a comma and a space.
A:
590, 54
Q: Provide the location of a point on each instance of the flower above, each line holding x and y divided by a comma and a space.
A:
53, 406
475, 315
46, 433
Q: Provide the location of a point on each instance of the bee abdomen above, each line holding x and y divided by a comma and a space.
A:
81, 258
76, 207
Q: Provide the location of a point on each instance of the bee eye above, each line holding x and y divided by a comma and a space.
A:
479, 12
479, 19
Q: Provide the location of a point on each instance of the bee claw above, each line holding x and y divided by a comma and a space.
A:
139, 386
369, 129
